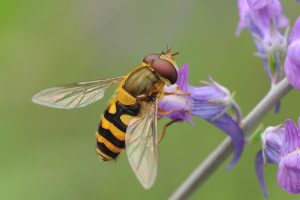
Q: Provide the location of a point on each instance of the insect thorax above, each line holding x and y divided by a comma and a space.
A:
144, 83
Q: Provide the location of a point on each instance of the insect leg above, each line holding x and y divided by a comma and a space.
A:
164, 112
177, 94
165, 128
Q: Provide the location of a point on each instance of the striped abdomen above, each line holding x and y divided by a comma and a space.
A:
112, 129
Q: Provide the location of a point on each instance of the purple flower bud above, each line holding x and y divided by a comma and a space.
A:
292, 61
271, 144
288, 176
272, 139
210, 102
259, 15
264, 19
281, 146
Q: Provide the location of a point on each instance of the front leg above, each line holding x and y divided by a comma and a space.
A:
164, 112
176, 94
165, 129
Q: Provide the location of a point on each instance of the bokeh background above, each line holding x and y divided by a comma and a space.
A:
50, 154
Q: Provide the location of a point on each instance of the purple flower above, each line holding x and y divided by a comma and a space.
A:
288, 176
259, 15
258, 4
292, 61
210, 102
271, 143
281, 146
264, 19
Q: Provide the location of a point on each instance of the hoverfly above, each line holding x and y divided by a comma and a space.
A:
130, 117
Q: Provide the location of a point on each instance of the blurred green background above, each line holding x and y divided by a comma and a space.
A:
50, 154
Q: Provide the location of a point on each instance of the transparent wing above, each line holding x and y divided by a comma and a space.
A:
74, 95
141, 145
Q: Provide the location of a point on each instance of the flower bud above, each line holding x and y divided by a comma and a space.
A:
271, 142
272, 139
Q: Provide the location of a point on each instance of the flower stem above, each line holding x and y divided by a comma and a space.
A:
219, 155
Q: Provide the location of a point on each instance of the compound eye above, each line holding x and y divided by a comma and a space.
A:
165, 69
151, 58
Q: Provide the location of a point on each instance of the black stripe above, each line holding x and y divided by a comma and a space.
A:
132, 110
110, 137
106, 151
115, 121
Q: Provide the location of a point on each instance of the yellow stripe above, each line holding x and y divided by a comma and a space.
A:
112, 108
113, 129
126, 119
108, 144
124, 97
103, 154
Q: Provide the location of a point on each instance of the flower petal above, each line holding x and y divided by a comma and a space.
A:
231, 128
258, 15
294, 52
291, 140
258, 4
292, 73
259, 166
243, 9
295, 33
276, 13
208, 103
272, 139
292, 61
177, 107
201, 106
288, 176
181, 104
183, 76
